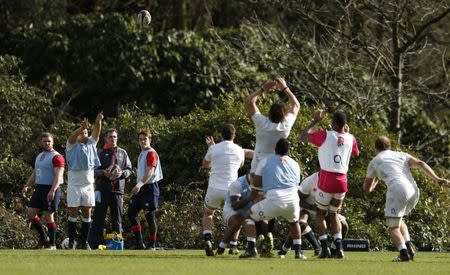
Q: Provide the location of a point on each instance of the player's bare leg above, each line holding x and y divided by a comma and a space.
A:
207, 223
397, 238
409, 245
250, 232
322, 231
296, 240
336, 228
234, 226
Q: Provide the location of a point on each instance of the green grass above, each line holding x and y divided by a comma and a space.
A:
194, 262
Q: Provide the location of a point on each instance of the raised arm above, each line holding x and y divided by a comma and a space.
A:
295, 105
97, 127
427, 170
319, 115
73, 136
250, 101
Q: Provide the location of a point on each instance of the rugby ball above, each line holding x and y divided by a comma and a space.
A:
115, 172
65, 244
144, 17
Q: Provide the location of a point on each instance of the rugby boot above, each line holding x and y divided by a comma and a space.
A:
233, 251
249, 253
300, 256
411, 250
209, 249
340, 254
401, 258
324, 253
260, 244
220, 251
316, 252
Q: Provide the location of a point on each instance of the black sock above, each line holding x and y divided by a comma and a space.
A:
338, 244
312, 240
72, 226
36, 222
408, 244
51, 227
297, 249
324, 244
233, 244
207, 236
85, 228
250, 245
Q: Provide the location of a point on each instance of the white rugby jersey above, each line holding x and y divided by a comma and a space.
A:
226, 158
268, 133
335, 152
391, 167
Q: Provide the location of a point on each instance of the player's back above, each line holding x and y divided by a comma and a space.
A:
226, 159
268, 133
392, 167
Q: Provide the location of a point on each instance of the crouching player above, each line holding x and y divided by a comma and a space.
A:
47, 177
307, 192
278, 175
238, 202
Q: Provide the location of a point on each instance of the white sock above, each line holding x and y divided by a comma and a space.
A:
207, 232
234, 243
307, 230
338, 236
223, 245
297, 241
251, 239
72, 219
406, 237
323, 237
86, 219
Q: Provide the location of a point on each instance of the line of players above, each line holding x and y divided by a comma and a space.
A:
108, 167
270, 189
273, 182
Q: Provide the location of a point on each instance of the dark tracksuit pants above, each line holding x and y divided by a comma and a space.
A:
105, 199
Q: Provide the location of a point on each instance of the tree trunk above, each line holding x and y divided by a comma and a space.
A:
181, 14
396, 82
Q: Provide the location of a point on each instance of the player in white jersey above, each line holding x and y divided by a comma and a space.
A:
278, 124
402, 192
224, 158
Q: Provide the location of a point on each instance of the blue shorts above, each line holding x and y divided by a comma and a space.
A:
147, 198
39, 198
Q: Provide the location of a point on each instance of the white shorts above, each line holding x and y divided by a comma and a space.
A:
400, 201
269, 208
228, 212
80, 195
215, 198
323, 199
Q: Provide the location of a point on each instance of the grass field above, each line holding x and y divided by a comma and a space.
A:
194, 262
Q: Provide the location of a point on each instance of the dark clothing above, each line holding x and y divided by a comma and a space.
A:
39, 198
109, 193
146, 199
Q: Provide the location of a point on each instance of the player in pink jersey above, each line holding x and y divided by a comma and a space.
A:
336, 146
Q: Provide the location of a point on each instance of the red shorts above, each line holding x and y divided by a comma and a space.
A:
332, 182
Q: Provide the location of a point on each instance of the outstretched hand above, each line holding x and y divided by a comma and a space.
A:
281, 83
319, 115
85, 123
209, 141
100, 116
443, 182
269, 85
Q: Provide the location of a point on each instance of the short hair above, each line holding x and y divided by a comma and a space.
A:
110, 130
282, 147
46, 135
146, 133
340, 119
228, 131
382, 143
277, 112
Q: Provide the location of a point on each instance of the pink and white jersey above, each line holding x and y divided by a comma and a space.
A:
335, 150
